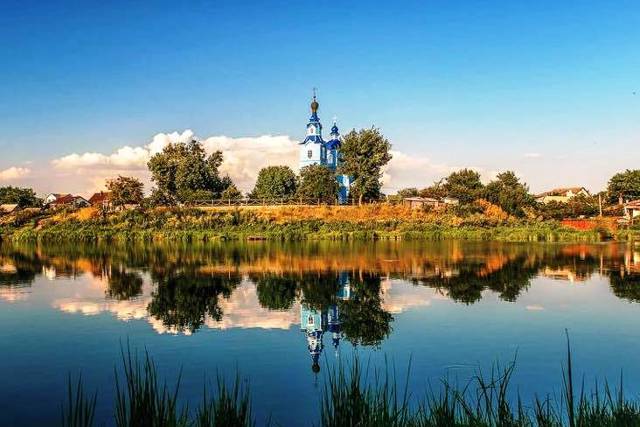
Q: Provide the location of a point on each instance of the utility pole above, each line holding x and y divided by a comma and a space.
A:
600, 203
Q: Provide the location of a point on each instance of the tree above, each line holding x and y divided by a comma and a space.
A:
275, 182
363, 154
231, 193
125, 190
183, 173
23, 197
464, 185
509, 193
408, 192
435, 191
624, 186
318, 183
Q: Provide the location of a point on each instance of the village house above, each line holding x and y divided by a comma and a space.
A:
562, 195
102, 198
632, 210
8, 208
421, 202
55, 200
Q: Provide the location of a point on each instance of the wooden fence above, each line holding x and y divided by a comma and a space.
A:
266, 202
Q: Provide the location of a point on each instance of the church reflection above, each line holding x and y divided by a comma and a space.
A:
315, 322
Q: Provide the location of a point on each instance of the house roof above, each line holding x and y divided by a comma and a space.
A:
67, 199
58, 195
634, 204
8, 207
421, 199
562, 191
100, 197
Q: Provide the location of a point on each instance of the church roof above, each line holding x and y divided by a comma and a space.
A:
316, 139
333, 144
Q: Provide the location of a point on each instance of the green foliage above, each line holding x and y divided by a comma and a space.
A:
23, 197
509, 193
231, 193
318, 183
183, 173
408, 192
125, 190
624, 186
577, 206
464, 185
275, 182
363, 154
435, 191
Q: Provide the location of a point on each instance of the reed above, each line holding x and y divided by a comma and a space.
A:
353, 396
79, 409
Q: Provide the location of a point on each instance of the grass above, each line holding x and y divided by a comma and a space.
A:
143, 401
370, 222
353, 397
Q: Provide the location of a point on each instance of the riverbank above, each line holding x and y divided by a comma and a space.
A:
289, 223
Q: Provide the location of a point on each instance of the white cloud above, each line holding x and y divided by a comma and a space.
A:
243, 157
405, 170
14, 173
532, 155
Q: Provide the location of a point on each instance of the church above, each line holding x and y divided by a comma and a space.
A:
315, 150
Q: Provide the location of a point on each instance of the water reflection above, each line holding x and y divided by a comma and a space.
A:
343, 290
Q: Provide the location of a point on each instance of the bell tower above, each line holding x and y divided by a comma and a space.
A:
312, 149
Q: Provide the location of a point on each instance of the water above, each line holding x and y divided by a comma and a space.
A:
282, 315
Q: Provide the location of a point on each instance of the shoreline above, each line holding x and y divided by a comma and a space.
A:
286, 223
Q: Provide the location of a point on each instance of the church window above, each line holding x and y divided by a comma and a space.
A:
309, 154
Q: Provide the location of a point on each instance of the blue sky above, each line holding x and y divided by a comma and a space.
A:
545, 88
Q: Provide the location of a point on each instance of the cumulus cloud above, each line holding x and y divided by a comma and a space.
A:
125, 157
243, 157
14, 173
406, 170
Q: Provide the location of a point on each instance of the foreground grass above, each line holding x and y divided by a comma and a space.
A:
352, 397
286, 224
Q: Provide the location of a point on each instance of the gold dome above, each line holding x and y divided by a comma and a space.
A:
314, 105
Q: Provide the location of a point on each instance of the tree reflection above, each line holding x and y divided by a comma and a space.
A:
181, 301
364, 320
274, 292
625, 286
123, 285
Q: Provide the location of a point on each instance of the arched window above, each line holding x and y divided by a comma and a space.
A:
310, 154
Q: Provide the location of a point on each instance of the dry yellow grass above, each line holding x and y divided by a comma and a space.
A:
370, 212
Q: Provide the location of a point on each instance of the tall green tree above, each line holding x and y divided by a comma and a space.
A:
275, 182
125, 190
464, 185
624, 186
509, 193
435, 191
363, 155
318, 183
231, 193
183, 173
23, 197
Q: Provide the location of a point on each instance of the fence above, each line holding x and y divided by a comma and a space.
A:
266, 202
